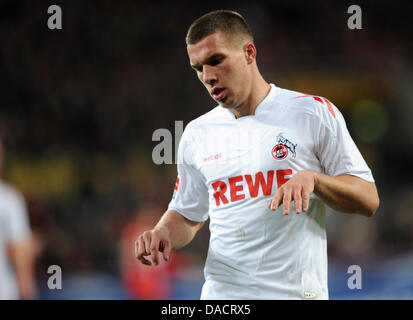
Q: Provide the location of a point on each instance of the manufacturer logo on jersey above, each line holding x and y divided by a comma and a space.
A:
283, 147
210, 158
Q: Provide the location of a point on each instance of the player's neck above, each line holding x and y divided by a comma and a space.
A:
259, 91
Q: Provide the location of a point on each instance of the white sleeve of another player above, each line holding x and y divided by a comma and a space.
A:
18, 228
337, 152
190, 197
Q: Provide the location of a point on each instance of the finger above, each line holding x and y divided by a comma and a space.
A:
154, 249
306, 200
147, 242
276, 200
287, 201
142, 252
137, 248
297, 200
145, 261
165, 248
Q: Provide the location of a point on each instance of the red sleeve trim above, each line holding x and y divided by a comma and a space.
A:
322, 100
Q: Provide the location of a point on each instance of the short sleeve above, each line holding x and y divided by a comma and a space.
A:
337, 151
190, 197
17, 221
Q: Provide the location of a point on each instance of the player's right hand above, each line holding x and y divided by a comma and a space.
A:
150, 243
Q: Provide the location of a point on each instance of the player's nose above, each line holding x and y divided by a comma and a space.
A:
208, 75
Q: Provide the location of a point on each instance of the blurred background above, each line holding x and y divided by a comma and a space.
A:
79, 106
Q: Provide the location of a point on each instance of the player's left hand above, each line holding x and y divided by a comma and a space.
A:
297, 189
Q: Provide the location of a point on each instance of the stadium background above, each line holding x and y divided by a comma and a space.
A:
79, 107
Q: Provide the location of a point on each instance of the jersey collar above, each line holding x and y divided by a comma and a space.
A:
262, 106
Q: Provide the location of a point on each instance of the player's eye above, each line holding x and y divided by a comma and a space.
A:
215, 62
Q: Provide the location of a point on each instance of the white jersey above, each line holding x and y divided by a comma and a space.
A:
229, 169
14, 227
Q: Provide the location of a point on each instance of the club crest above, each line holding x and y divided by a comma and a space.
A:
283, 147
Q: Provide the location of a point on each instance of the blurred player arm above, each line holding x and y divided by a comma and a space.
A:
19, 243
21, 254
173, 231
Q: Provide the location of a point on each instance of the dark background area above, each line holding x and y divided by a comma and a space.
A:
79, 106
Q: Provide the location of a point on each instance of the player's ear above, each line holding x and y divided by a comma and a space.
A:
250, 52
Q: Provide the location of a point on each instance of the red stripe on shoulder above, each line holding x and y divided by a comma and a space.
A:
322, 100
330, 107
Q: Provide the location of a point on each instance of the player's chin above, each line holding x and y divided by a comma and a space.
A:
226, 103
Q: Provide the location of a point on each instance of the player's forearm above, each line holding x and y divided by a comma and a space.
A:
23, 262
26, 283
181, 231
347, 193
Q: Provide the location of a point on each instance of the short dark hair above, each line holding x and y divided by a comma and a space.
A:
230, 22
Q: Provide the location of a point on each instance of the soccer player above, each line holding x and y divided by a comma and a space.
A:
262, 166
16, 254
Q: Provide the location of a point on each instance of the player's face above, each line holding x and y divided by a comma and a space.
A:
222, 67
